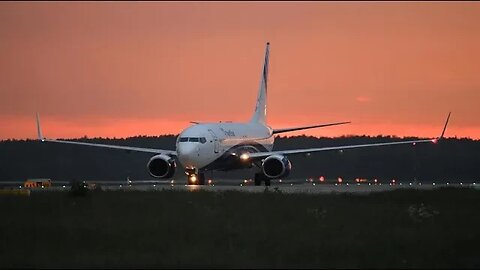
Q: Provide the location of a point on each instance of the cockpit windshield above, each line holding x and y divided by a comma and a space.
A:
193, 139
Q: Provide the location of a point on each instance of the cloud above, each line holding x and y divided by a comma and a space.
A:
363, 99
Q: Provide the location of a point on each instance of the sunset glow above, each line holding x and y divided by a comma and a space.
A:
120, 69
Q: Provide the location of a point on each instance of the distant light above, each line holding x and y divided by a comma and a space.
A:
291, 184
358, 184
19, 186
410, 184
461, 183
321, 178
369, 184
434, 140
193, 178
433, 183
448, 183
400, 184
280, 180
245, 181
154, 185
347, 184
244, 156
393, 181
340, 180
336, 184
173, 181
210, 181
375, 180
473, 183
314, 184
63, 186
241, 184
120, 185
414, 143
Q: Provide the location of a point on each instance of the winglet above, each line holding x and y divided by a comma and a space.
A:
39, 130
445, 127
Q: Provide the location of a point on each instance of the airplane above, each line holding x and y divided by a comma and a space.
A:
227, 146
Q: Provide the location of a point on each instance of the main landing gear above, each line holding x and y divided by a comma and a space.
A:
259, 177
196, 179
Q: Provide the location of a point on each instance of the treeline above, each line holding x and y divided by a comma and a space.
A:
452, 159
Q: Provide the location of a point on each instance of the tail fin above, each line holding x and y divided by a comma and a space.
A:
259, 116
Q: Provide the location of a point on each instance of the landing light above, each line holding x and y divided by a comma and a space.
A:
210, 181
244, 156
434, 140
193, 178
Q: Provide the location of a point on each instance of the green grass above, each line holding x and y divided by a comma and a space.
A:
397, 229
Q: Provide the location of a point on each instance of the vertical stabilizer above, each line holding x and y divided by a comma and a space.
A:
259, 116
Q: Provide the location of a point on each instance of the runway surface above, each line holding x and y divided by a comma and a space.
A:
286, 186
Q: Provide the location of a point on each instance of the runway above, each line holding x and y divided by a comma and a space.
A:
292, 186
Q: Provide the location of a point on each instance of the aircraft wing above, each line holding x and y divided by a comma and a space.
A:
260, 155
282, 130
120, 147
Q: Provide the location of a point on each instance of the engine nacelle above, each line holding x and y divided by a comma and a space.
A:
161, 166
276, 166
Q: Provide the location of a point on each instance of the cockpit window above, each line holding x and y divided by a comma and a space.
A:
193, 139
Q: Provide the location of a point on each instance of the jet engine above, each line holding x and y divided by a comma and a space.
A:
161, 166
276, 166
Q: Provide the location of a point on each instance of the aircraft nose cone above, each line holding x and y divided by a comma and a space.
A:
187, 153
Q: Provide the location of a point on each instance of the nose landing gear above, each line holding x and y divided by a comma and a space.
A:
196, 179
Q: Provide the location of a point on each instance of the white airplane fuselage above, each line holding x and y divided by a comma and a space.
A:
222, 140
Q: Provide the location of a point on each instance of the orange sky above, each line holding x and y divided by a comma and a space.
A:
106, 69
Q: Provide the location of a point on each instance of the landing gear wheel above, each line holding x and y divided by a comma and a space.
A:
201, 179
259, 177
267, 181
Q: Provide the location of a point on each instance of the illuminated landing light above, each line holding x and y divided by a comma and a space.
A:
245, 181
63, 186
340, 180
369, 184
409, 184
375, 181
347, 184
280, 181
414, 143
19, 186
393, 181
120, 185
313, 184
172, 182
434, 140
321, 179
400, 184
336, 184
461, 183
210, 181
448, 183
241, 185
358, 184
433, 184
244, 156
474, 183
154, 185
193, 178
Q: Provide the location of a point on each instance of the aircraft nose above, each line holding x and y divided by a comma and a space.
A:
187, 152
